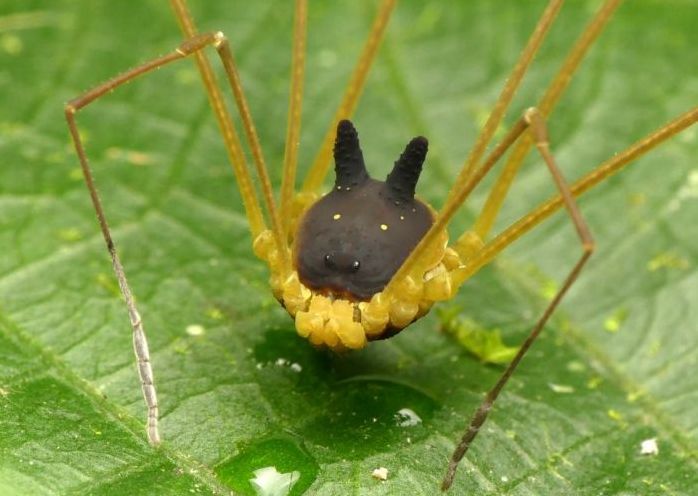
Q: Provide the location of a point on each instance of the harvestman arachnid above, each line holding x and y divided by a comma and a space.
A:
366, 260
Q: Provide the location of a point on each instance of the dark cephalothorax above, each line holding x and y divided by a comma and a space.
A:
352, 241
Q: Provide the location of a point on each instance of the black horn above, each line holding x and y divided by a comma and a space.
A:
349, 167
402, 180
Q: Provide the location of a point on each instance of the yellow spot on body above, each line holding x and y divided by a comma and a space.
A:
384, 227
402, 217
337, 216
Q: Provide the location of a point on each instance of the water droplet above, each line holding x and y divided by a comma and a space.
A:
276, 466
406, 417
270, 482
369, 409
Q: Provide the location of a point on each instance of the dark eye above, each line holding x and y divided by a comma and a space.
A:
355, 266
328, 260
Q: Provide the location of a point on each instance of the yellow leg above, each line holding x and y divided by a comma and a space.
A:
293, 128
229, 135
140, 342
539, 135
463, 184
318, 170
493, 204
546, 209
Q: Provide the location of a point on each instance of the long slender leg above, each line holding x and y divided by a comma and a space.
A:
226, 55
539, 134
230, 136
611, 166
460, 190
493, 204
293, 127
140, 343
318, 170
223, 47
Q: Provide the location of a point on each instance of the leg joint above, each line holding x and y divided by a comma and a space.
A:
589, 246
219, 39
531, 114
536, 122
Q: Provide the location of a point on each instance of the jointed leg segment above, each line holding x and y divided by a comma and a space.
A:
539, 135
611, 166
293, 128
140, 344
529, 130
494, 201
525, 224
463, 185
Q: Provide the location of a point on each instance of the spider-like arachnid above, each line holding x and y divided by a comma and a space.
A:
367, 259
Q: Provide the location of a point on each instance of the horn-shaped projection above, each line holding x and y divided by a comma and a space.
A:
402, 180
349, 167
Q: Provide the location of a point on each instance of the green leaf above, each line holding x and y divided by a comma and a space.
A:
243, 392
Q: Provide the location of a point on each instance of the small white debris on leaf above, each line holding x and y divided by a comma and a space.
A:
282, 362
195, 330
561, 388
406, 417
270, 482
649, 447
380, 473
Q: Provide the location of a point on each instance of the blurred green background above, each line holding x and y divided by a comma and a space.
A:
615, 366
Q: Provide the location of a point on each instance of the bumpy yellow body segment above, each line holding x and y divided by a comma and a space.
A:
341, 324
